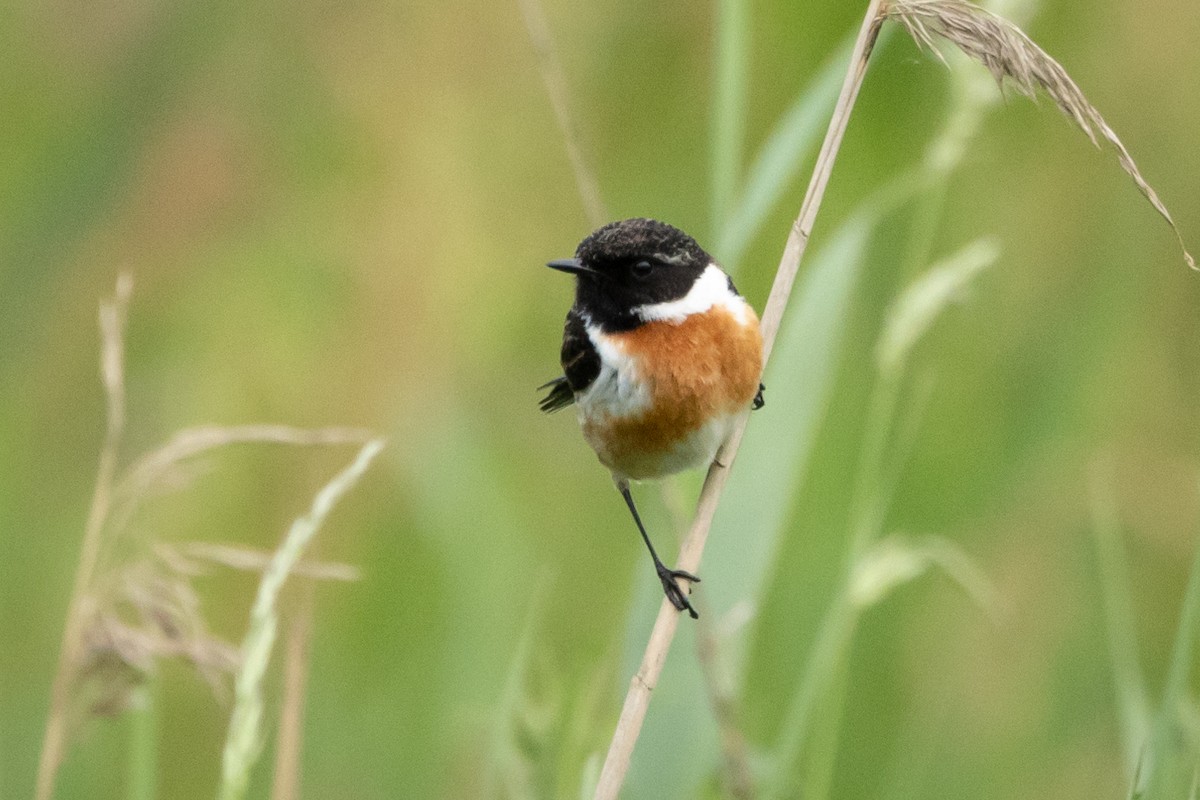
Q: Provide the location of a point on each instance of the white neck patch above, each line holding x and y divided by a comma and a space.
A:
710, 289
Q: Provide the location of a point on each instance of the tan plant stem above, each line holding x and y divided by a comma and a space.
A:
738, 777
112, 372
556, 87
637, 700
286, 783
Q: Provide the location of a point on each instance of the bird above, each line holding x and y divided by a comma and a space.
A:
660, 357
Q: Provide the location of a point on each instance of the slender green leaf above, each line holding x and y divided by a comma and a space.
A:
243, 742
800, 380
829, 653
143, 742
1171, 761
790, 143
831, 708
780, 438
919, 305
769, 465
507, 765
729, 104
896, 560
1117, 605
753, 514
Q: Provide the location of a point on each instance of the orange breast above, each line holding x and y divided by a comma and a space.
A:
707, 366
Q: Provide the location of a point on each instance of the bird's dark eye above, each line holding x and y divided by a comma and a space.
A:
641, 270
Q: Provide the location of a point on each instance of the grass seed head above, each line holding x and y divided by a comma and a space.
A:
1015, 60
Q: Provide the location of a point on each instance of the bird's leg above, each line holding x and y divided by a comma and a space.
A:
669, 577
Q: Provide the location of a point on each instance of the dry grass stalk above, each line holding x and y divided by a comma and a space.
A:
112, 370
637, 700
247, 559
143, 616
737, 776
556, 87
1013, 58
124, 617
286, 783
164, 466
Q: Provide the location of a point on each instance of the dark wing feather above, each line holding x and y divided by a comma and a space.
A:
580, 363
559, 397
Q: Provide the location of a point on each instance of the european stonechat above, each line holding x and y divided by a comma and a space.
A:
660, 355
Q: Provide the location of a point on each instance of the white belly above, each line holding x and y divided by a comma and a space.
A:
619, 394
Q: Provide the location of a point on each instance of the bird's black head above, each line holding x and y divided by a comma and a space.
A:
632, 263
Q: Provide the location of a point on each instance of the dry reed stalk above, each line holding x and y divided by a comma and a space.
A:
556, 87
112, 370
637, 700
737, 775
286, 783
1013, 58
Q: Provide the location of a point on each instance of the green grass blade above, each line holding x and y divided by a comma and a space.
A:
917, 309
1117, 606
143, 743
923, 300
780, 438
243, 742
505, 767
1171, 760
1183, 653
729, 104
896, 560
820, 767
752, 518
828, 655
591, 777
791, 142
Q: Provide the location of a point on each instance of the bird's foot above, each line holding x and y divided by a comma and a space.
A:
670, 583
758, 402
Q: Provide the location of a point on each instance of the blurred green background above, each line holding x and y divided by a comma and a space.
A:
337, 213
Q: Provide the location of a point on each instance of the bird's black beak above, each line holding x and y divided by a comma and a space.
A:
571, 265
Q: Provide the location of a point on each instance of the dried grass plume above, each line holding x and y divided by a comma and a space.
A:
133, 602
1014, 60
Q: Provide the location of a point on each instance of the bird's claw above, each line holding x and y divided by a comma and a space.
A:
676, 595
